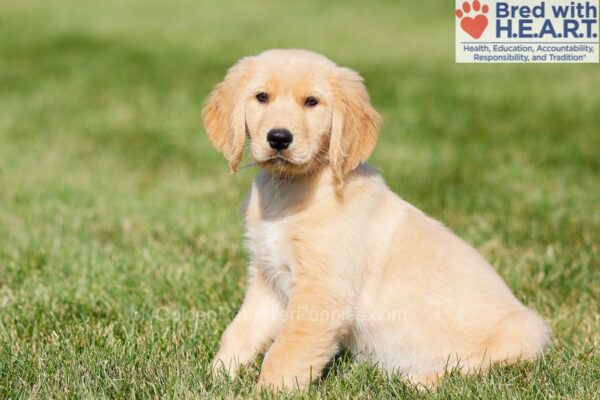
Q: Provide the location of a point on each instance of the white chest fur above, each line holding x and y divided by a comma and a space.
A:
270, 250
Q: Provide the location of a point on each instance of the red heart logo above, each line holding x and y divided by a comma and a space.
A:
474, 26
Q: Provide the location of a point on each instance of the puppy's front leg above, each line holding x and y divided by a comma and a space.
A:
253, 328
309, 338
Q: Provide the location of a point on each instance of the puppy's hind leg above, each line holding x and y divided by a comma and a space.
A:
521, 335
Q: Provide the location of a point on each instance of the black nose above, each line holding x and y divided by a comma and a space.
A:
279, 139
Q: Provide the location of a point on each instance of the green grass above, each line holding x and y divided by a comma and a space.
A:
121, 253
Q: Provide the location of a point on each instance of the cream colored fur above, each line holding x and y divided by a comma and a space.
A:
337, 260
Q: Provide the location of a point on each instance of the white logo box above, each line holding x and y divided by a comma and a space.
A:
527, 31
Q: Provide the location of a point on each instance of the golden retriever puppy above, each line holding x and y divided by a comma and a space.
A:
337, 260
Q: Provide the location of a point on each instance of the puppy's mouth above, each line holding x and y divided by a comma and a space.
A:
279, 163
284, 162
279, 160
276, 159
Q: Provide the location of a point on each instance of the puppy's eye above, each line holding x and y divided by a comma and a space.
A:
311, 101
262, 97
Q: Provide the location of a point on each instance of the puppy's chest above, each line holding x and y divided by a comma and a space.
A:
270, 246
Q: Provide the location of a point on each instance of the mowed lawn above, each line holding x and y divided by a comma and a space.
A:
121, 252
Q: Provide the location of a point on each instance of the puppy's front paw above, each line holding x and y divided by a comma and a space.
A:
224, 366
277, 382
271, 383
425, 381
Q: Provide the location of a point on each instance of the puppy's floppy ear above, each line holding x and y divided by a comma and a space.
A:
223, 114
354, 126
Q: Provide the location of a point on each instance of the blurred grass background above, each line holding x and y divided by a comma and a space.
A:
119, 226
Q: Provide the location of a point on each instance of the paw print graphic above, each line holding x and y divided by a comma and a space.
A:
474, 26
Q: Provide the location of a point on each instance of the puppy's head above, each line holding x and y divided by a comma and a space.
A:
299, 110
